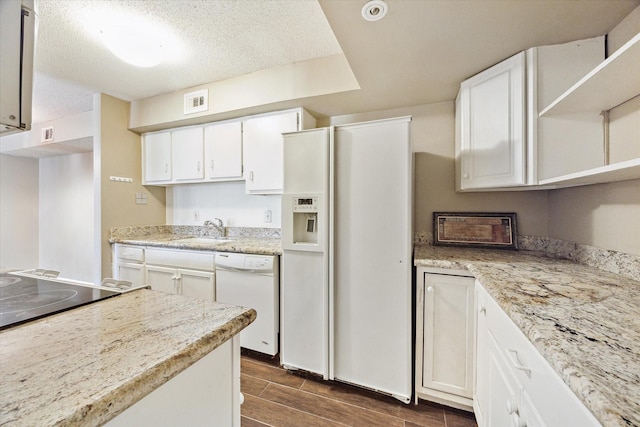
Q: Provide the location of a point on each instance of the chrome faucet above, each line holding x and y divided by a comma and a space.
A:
218, 225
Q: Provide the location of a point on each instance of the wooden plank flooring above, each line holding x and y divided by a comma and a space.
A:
274, 397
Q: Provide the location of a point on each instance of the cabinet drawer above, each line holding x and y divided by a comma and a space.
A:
554, 401
130, 253
181, 259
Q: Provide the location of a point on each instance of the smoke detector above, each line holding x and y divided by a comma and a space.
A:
374, 10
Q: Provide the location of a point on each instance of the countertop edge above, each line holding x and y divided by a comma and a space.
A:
256, 246
126, 395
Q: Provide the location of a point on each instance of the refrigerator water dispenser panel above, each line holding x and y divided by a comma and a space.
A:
305, 220
305, 204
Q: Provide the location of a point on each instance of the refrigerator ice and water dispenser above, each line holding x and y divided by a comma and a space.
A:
305, 220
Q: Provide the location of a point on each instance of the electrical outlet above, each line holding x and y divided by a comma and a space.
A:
267, 215
196, 216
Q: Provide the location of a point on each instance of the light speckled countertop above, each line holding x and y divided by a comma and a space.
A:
583, 320
250, 241
85, 366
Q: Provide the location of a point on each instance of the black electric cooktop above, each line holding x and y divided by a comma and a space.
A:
23, 299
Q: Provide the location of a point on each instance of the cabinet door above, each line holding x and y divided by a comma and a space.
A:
262, 151
156, 152
492, 126
197, 284
187, 154
134, 273
448, 334
162, 279
223, 151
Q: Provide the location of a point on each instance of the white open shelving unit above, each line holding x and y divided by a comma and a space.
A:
614, 81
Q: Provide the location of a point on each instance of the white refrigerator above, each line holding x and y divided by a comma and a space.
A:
346, 274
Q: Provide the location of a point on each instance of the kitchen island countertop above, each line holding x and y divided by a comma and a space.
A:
87, 365
583, 320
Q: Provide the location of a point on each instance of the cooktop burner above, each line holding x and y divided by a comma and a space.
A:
25, 298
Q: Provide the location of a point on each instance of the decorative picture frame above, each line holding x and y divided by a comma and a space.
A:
475, 229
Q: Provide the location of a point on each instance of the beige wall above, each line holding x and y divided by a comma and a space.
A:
605, 215
18, 212
432, 132
120, 155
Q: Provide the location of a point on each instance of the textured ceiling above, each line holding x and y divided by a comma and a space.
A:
218, 40
418, 54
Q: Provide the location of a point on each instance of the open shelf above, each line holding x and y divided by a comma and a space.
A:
622, 171
611, 83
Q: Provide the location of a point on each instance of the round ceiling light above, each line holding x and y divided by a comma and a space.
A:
134, 46
374, 10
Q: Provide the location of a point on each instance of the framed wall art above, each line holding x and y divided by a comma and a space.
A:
475, 229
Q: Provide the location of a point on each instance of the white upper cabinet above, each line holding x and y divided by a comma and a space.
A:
156, 157
240, 149
187, 147
502, 143
223, 151
263, 154
491, 127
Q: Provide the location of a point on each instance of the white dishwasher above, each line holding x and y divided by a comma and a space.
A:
252, 281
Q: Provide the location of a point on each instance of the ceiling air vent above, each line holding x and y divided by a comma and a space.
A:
196, 102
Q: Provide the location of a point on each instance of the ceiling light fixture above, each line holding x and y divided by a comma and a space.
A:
374, 10
137, 39
134, 46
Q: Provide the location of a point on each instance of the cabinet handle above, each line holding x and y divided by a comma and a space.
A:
465, 175
211, 164
512, 407
250, 175
483, 310
513, 355
430, 289
166, 167
198, 165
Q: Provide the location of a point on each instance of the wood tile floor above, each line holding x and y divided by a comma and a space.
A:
274, 397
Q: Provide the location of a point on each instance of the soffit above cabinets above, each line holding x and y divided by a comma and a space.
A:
83, 145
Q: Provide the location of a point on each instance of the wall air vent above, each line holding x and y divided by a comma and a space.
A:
47, 134
195, 102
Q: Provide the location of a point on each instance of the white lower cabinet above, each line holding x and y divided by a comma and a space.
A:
128, 264
515, 385
444, 337
205, 394
188, 273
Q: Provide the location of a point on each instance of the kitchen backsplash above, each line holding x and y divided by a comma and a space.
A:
193, 230
627, 265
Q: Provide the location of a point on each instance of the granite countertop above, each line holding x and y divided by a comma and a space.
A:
87, 365
247, 245
260, 242
583, 320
